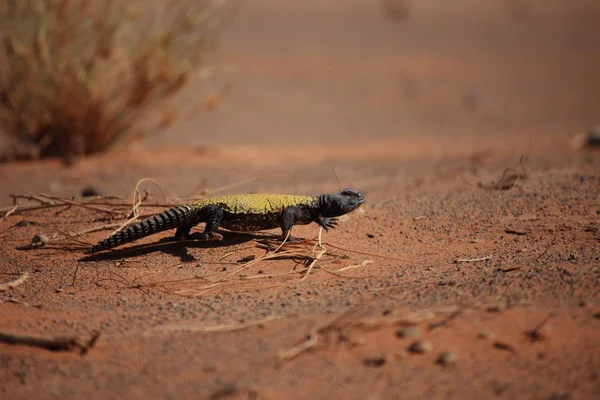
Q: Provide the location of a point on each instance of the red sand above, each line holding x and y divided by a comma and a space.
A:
414, 113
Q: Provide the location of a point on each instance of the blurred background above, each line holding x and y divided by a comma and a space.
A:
300, 72
322, 82
354, 70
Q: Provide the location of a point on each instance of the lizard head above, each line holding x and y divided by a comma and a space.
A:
335, 205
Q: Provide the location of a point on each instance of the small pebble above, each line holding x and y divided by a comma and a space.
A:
89, 192
420, 347
504, 346
209, 368
247, 258
374, 362
40, 240
531, 274
447, 358
486, 335
25, 222
560, 396
409, 332
496, 308
542, 333
370, 235
586, 140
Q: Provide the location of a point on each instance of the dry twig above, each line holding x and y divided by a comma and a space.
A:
548, 247
215, 328
316, 257
23, 303
80, 204
538, 333
8, 213
343, 324
509, 179
470, 260
14, 284
363, 264
54, 343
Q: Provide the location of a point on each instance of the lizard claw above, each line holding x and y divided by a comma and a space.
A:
207, 237
327, 223
292, 239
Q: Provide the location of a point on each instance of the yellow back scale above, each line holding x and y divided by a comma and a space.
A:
254, 203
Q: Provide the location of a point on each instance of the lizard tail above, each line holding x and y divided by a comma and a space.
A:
168, 219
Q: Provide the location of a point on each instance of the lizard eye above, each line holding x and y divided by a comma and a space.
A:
351, 193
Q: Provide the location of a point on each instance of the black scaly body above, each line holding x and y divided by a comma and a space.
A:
244, 213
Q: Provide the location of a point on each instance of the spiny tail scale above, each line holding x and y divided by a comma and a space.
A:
169, 219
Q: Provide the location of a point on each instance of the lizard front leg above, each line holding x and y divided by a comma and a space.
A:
291, 216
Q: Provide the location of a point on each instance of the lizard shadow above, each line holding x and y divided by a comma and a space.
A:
178, 248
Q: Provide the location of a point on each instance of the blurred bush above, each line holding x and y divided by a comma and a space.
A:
76, 75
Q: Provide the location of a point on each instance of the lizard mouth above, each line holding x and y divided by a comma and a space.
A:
359, 202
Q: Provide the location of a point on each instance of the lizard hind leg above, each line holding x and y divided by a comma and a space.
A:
212, 215
183, 232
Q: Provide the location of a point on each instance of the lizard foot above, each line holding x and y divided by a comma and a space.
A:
208, 237
327, 223
291, 239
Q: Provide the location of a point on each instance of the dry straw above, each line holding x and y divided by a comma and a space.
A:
77, 75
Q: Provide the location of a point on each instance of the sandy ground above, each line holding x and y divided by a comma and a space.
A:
422, 110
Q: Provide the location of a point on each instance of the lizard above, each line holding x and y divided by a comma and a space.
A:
242, 213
